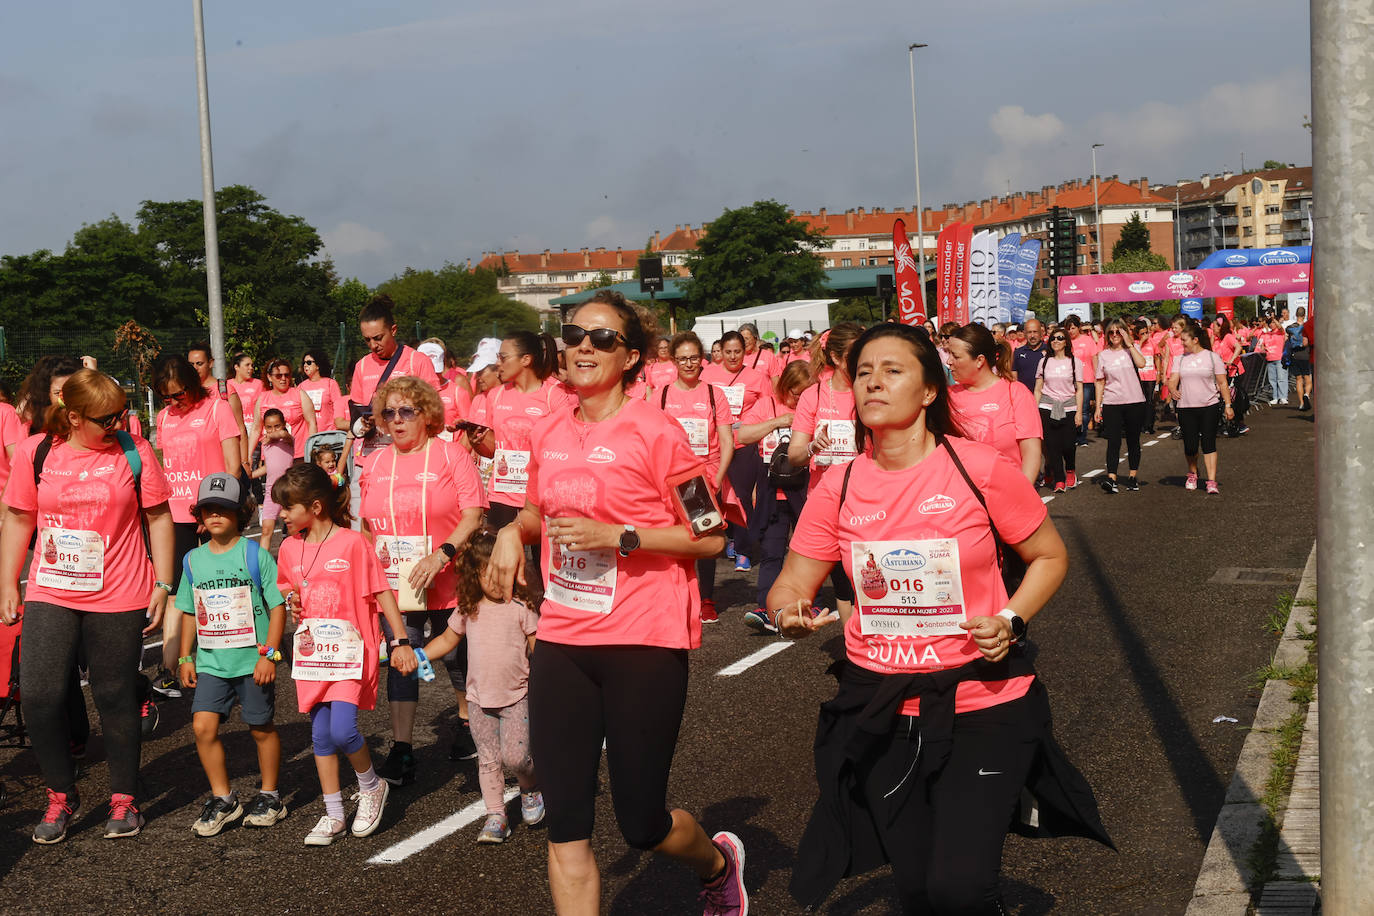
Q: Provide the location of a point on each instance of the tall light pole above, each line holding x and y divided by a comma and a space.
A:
916, 158
1097, 220
1178, 244
207, 192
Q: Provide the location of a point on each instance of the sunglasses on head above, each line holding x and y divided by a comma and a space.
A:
110, 420
405, 414
602, 338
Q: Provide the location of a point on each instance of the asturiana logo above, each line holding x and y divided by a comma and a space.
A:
337, 565
902, 560
1279, 256
1232, 282
936, 504
1237, 260
1141, 286
601, 455
1181, 277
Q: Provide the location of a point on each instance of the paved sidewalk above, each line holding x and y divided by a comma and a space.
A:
1224, 883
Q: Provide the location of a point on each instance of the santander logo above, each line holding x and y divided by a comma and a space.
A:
601, 455
936, 505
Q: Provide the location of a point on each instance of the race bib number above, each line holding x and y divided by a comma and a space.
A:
399, 553
769, 443
908, 588
316, 398
582, 579
325, 649
697, 434
224, 618
71, 560
734, 396
511, 470
842, 449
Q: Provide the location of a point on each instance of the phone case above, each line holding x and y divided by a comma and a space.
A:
704, 524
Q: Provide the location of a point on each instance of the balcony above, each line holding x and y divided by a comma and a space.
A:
1296, 235
1294, 214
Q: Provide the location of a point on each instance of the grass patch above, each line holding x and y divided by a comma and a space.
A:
1278, 618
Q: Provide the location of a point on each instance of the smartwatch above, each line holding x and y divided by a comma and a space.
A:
397, 643
1018, 626
449, 550
629, 541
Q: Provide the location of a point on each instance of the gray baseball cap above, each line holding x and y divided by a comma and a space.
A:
220, 489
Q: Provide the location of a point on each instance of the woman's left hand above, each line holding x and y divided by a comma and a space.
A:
423, 572
157, 606
992, 635
1230, 412
584, 534
403, 659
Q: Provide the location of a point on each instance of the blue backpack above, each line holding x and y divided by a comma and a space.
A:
254, 569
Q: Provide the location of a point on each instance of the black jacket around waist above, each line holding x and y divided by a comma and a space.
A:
1057, 800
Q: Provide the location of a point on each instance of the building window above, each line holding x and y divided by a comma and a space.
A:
1248, 211
829, 262
1082, 238
1249, 231
1272, 228
846, 262
863, 262
1274, 187
1271, 209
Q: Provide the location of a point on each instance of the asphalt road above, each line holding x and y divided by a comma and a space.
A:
1140, 651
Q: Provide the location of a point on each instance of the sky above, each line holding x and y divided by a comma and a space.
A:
417, 132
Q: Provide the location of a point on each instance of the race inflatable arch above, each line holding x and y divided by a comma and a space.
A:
1244, 257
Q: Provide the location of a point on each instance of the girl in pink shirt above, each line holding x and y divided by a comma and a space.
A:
295, 406
916, 526
1199, 385
1059, 393
246, 386
331, 407
276, 458
1120, 402
620, 612
335, 586
990, 405
91, 586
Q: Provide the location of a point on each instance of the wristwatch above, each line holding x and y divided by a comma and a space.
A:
629, 541
449, 550
164, 586
1018, 626
397, 643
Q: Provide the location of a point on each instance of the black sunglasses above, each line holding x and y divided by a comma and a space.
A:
604, 339
110, 420
177, 396
1059, 337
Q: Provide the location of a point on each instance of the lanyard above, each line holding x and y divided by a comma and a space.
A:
424, 489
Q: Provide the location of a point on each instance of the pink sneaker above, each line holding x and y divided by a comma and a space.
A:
1070, 480
1213, 488
726, 895
1191, 482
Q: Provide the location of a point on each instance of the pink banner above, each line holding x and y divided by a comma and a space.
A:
1182, 284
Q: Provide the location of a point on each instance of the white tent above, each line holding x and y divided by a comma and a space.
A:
774, 320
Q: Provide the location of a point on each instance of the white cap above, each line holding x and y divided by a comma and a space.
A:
796, 334
487, 349
435, 354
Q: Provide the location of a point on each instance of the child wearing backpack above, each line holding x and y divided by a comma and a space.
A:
229, 586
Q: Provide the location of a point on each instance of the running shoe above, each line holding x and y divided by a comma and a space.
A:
531, 807
1132, 483
325, 832
759, 621
464, 748
726, 895
124, 818
495, 830
1039, 481
741, 563
165, 685
1273, 401
265, 811
730, 549
1212, 488
708, 611
399, 768
150, 717
1190, 482
368, 817
1070, 480
53, 827
216, 815
1306, 403
1109, 485
1059, 487
1242, 431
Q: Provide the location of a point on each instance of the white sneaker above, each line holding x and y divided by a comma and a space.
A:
1273, 401
370, 806
325, 832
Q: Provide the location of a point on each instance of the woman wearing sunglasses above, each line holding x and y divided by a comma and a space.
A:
421, 499
90, 586
198, 435
295, 406
1059, 392
1120, 402
331, 408
620, 612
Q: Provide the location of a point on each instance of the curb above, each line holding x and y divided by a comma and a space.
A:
1224, 880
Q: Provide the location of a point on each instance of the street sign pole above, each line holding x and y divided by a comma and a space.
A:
1343, 298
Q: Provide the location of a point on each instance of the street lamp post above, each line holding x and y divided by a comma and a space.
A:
207, 192
1178, 245
916, 158
1097, 220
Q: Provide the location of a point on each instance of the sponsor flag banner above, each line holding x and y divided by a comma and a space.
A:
1006, 273
982, 279
944, 271
963, 244
911, 305
1184, 284
1023, 278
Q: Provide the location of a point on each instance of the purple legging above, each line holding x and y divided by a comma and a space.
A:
334, 728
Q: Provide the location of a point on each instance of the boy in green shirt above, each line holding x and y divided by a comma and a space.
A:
229, 586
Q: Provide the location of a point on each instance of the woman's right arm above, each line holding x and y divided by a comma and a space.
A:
750, 433
14, 538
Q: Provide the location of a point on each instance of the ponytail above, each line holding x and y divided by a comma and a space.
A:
305, 483
541, 350
980, 342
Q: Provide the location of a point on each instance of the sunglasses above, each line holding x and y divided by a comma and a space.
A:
404, 414
604, 339
177, 396
281, 375
110, 420
1059, 337
307, 362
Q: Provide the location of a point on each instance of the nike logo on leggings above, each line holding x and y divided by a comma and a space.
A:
983, 772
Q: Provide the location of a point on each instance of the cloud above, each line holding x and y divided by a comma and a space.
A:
350, 239
1014, 126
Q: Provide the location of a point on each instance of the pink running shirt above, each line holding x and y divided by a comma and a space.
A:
192, 447
691, 409
1197, 378
1117, 369
1001, 415
498, 651
367, 372
1059, 383
248, 393
12, 432
511, 415
741, 388
327, 400
822, 404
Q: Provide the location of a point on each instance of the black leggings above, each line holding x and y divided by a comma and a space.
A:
945, 844
1151, 406
1059, 446
630, 696
113, 643
1199, 422
1119, 420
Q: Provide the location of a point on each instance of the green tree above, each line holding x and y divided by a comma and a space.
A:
1275, 164
1135, 261
248, 327
753, 255
603, 279
1135, 236
456, 304
1042, 305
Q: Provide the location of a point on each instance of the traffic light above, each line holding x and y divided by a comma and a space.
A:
1063, 243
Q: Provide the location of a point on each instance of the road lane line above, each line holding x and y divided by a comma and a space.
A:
1091, 474
433, 834
1046, 499
1152, 442
1163, 435
752, 659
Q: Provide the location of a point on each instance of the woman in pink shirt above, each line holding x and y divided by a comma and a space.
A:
91, 586
331, 407
248, 387
1059, 392
742, 386
1120, 402
620, 612
923, 775
990, 405
295, 405
1199, 385
1149, 376
663, 370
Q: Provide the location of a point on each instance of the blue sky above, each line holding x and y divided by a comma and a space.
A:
417, 132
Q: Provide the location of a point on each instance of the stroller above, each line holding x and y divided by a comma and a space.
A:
334, 441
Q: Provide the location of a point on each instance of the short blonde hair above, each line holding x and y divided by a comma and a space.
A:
89, 392
421, 396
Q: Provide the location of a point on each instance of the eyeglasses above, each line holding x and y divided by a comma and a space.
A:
604, 339
686, 360
1059, 337
286, 374
177, 396
404, 414
308, 362
110, 420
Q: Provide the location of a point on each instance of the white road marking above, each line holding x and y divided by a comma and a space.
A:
1151, 442
753, 658
1091, 474
433, 834
1045, 499
1163, 435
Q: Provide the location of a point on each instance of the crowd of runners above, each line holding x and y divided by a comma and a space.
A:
548, 519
